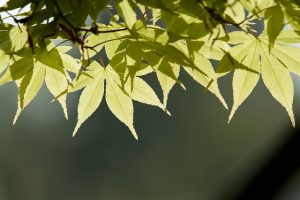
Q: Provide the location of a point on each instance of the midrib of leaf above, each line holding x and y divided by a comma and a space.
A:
32, 85
274, 74
120, 104
246, 48
94, 91
247, 75
236, 104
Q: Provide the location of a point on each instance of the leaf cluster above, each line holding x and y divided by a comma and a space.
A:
162, 37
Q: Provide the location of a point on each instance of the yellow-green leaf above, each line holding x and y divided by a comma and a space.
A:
209, 81
167, 83
244, 80
127, 12
56, 83
18, 37
277, 79
288, 56
118, 102
17, 70
29, 87
90, 99
4, 62
143, 93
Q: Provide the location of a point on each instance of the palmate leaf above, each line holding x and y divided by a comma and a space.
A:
118, 99
251, 58
141, 37
33, 71
118, 102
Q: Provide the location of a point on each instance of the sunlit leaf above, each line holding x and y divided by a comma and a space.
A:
29, 87
278, 81
118, 102
245, 80
126, 11
90, 98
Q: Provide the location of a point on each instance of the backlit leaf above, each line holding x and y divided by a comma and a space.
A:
278, 81
90, 98
118, 102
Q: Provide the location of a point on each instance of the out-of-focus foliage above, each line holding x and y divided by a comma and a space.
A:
147, 36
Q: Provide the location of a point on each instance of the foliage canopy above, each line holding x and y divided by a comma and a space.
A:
147, 36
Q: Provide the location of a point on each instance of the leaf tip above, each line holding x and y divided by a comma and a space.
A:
168, 112
131, 128
17, 116
292, 117
231, 114
76, 129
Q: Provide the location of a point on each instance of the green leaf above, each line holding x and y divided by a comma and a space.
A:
235, 11
288, 56
232, 59
13, 4
126, 11
95, 7
29, 87
143, 93
90, 98
56, 83
84, 78
69, 63
17, 70
244, 81
110, 41
51, 58
278, 81
286, 36
18, 37
291, 9
4, 62
238, 37
167, 69
214, 51
209, 81
167, 83
184, 25
274, 22
118, 102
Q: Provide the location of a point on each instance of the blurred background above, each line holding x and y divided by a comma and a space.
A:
194, 154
